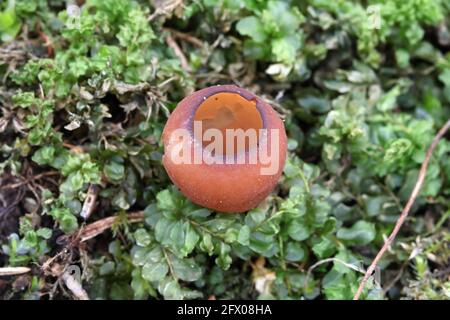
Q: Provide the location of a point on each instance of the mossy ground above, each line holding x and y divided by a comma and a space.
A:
363, 87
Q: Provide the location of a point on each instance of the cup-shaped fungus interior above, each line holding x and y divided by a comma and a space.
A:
229, 122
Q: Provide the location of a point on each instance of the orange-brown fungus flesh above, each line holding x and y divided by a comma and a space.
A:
228, 110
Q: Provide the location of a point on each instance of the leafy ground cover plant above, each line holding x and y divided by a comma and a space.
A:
86, 90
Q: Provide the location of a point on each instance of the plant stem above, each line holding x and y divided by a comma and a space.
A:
407, 208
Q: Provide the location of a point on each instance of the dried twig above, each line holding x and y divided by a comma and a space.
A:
73, 148
94, 229
83, 234
26, 181
178, 52
404, 214
186, 37
47, 41
11, 271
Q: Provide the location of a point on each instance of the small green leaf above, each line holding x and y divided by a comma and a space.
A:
324, 248
76, 180
45, 233
298, 230
155, 271
285, 49
166, 201
115, 171
142, 237
207, 244
44, 155
107, 268
139, 256
361, 233
388, 101
68, 223
244, 235
294, 252
251, 26
186, 269
191, 239
24, 99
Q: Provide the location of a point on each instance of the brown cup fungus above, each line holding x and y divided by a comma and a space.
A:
224, 148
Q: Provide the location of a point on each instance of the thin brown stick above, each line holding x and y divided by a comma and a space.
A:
26, 181
407, 208
73, 148
94, 229
186, 37
178, 52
